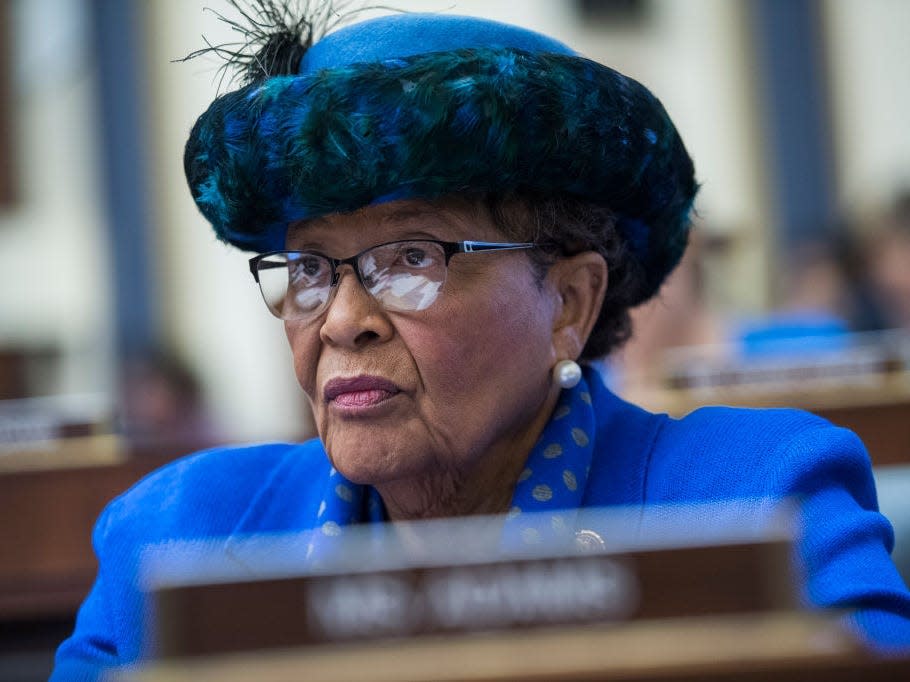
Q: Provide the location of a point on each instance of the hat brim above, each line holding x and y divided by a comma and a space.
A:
484, 120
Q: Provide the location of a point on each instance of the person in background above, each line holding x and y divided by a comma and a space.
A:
162, 406
889, 264
452, 217
827, 275
680, 315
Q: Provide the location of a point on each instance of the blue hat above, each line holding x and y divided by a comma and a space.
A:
425, 105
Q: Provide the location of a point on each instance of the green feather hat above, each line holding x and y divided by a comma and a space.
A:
425, 105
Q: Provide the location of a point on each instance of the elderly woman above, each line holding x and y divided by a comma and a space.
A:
450, 215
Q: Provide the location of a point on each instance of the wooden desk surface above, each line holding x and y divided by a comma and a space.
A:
786, 647
50, 500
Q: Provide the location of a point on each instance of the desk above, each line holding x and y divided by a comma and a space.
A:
786, 647
50, 498
687, 612
50, 501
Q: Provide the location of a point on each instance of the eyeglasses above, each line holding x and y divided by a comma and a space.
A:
402, 276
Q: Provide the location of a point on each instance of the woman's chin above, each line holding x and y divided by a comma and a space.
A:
368, 473
365, 460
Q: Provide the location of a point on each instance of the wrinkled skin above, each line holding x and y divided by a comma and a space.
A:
471, 374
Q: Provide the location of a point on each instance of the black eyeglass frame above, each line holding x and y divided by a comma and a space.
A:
260, 262
450, 249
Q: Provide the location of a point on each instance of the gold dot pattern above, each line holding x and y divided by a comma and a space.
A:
580, 437
542, 492
344, 492
555, 474
343, 503
331, 529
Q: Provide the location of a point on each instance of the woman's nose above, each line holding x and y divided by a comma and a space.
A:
354, 318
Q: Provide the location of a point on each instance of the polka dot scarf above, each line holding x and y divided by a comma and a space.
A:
549, 488
555, 476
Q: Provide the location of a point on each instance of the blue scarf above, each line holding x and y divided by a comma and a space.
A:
551, 484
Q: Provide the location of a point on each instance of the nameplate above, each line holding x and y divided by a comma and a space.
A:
205, 619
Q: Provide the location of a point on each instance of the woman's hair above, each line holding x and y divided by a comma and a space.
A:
572, 226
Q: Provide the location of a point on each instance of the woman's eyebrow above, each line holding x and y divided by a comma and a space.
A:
428, 220
410, 213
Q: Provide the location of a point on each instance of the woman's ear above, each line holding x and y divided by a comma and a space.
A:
581, 283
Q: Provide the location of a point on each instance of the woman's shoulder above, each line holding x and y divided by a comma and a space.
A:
718, 452
755, 451
206, 493
705, 433
732, 424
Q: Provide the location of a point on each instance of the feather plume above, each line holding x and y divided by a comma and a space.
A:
274, 35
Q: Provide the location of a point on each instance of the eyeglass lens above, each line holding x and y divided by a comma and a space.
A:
402, 276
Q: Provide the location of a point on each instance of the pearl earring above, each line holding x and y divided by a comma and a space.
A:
567, 373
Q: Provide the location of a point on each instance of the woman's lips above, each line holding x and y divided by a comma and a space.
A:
359, 392
361, 398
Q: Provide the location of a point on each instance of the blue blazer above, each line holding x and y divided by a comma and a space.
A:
640, 458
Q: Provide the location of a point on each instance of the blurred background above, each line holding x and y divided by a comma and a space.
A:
123, 321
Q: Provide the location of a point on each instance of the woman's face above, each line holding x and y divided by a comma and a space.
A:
408, 395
